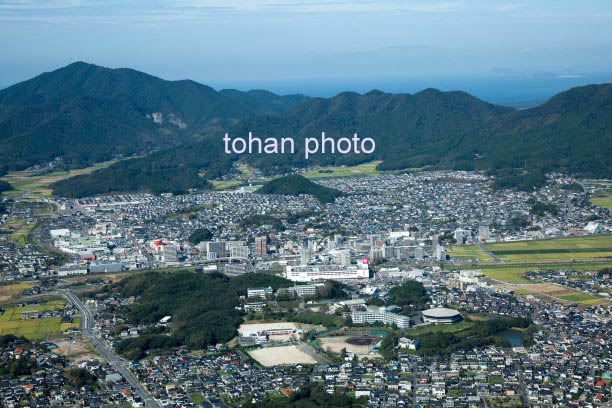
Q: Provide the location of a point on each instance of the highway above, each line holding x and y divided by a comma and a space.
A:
87, 323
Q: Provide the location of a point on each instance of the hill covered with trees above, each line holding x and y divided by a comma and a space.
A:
202, 306
84, 113
295, 185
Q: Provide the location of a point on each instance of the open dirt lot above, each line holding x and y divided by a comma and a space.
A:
76, 350
272, 356
359, 345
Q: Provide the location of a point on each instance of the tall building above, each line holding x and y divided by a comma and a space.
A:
435, 242
483, 232
239, 252
440, 253
305, 255
376, 255
218, 247
419, 253
460, 236
170, 254
261, 246
345, 257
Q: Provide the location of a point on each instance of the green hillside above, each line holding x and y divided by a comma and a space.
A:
202, 306
85, 114
295, 185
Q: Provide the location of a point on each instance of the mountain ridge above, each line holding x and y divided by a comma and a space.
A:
85, 113
158, 113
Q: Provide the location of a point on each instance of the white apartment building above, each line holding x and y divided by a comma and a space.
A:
309, 273
375, 314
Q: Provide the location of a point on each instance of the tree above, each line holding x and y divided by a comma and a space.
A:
5, 186
199, 235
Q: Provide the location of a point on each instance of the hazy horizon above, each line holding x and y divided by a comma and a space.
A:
500, 51
528, 90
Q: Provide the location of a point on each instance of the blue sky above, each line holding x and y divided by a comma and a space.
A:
320, 47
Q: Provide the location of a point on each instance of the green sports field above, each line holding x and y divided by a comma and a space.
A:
563, 249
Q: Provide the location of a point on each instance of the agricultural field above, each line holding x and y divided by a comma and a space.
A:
563, 249
37, 181
361, 170
227, 184
562, 293
8, 292
20, 235
603, 200
515, 273
468, 252
273, 356
35, 329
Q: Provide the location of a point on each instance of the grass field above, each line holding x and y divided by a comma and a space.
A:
35, 330
563, 249
14, 313
20, 235
441, 328
604, 202
468, 252
362, 170
227, 185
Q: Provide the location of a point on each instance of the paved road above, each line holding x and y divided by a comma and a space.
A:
313, 353
495, 258
523, 387
413, 365
87, 323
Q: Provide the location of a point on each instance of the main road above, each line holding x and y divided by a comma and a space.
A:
87, 323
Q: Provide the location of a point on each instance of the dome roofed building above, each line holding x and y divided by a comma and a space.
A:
441, 315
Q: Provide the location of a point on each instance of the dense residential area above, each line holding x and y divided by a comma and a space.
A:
430, 289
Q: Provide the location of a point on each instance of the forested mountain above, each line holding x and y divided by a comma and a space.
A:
84, 113
405, 127
265, 102
571, 133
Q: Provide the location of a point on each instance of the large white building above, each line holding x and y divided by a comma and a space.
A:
375, 314
441, 315
308, 273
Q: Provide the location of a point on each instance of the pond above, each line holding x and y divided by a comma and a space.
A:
514, 337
